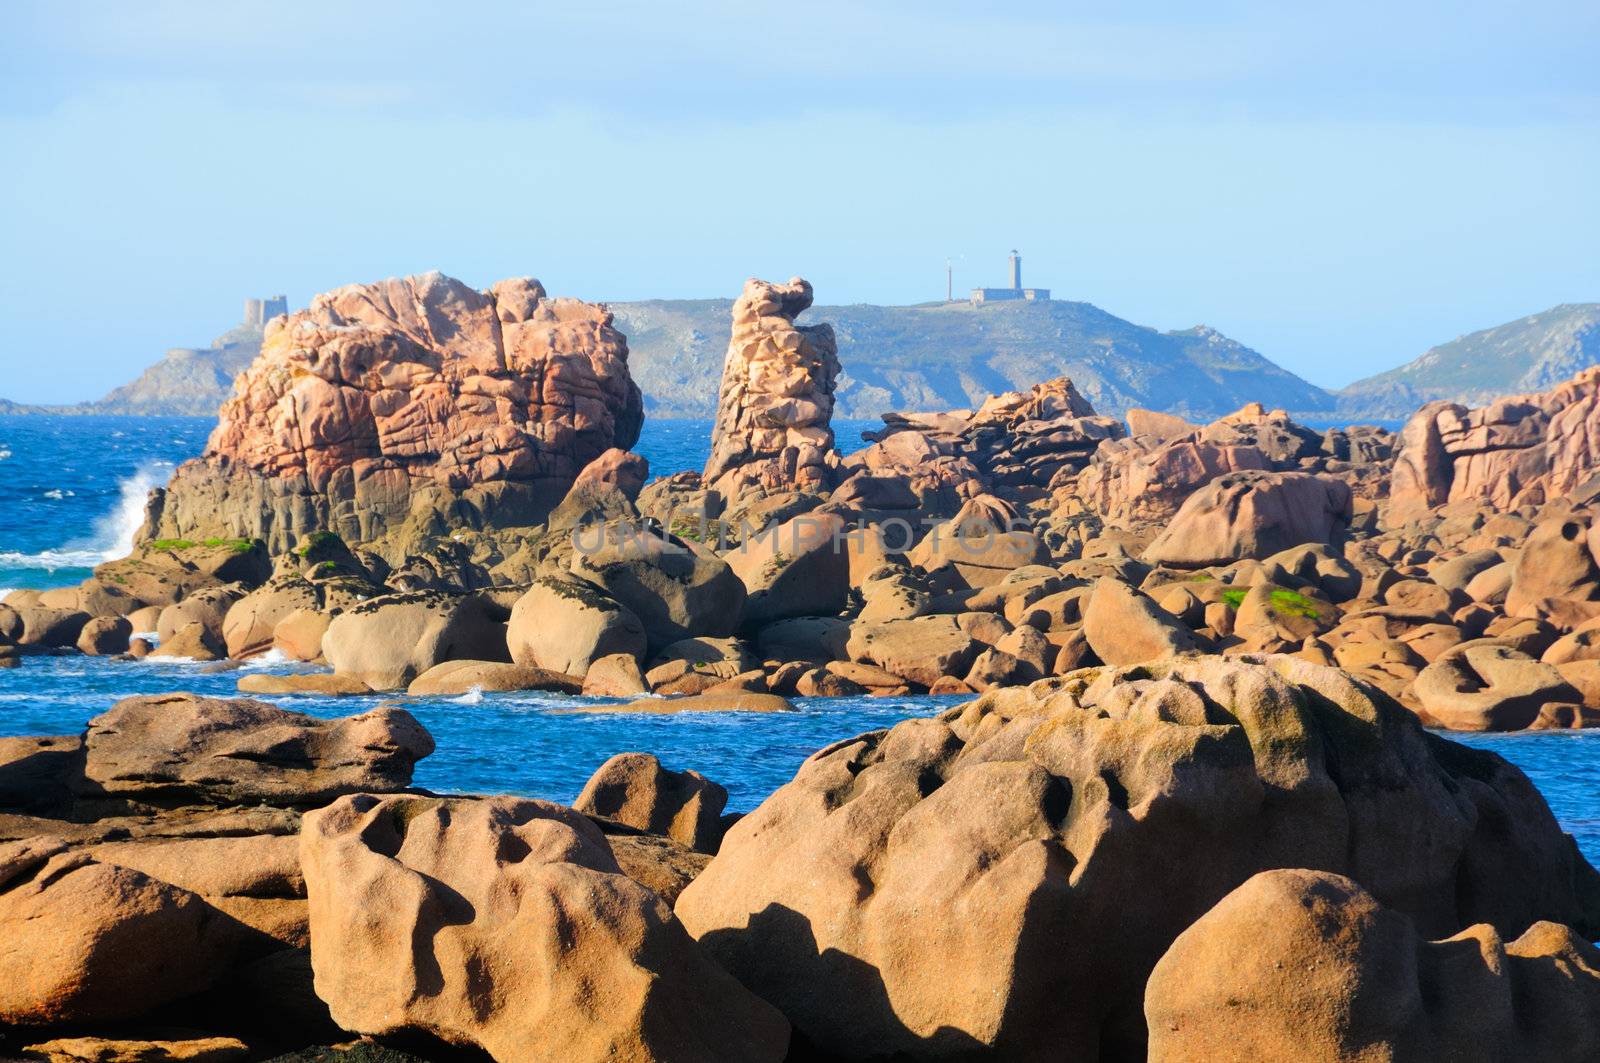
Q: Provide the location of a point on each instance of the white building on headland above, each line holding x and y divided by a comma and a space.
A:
1016, 291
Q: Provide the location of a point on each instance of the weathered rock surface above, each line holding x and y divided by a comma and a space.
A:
42, 626
507, 925
911, 890
1124, 626
250, 626
160, 572
240, 751
86, 941
254, 878
408, 401
710, 701
322, 683
388, 641
677, 589
566, 624
776, 399
105, 635
918, 650
616, 675
1307, 965
1519, 450
171, 1049
461, 677
1150, 477
979, 547
1253, 515
1490, 688
1013, 446
634, 788
794, 569
606, 489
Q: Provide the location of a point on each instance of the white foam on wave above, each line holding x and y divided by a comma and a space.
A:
270, 659
113, 533
474, 696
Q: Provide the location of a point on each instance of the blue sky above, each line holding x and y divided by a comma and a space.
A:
1339, 189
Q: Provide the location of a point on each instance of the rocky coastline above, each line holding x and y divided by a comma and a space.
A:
1196, 802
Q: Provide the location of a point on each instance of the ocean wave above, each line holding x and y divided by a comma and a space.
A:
113, 532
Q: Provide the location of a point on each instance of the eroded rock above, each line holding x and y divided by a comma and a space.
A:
507, 924
1307, 965
1108, 810
239, 751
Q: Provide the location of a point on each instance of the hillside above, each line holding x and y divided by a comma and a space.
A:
939, 356
1532, 353
188, 381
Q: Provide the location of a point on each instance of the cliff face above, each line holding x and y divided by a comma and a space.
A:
415, 402
942, 356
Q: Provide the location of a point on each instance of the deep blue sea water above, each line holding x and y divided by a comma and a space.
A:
72, 494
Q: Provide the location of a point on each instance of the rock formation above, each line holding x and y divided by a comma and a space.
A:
88, 941
179, 745
634, 789
507, 925
1306, 965
1254, 515
1525, 449
415, 402
152, 879
1150, 474
772, 432
676, 588
1004, 877
944, 356
1014, 446
388, 641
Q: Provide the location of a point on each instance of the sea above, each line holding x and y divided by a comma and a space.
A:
72, 493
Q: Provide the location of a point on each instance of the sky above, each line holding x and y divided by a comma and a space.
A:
1338, 188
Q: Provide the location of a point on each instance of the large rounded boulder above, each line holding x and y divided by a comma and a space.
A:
1253, 514
1002, 878
566, 625
1305, 965
170, 747
634, 788
797, 568
388, 641
676, 588
86, 941
1125, 626
1490, 688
